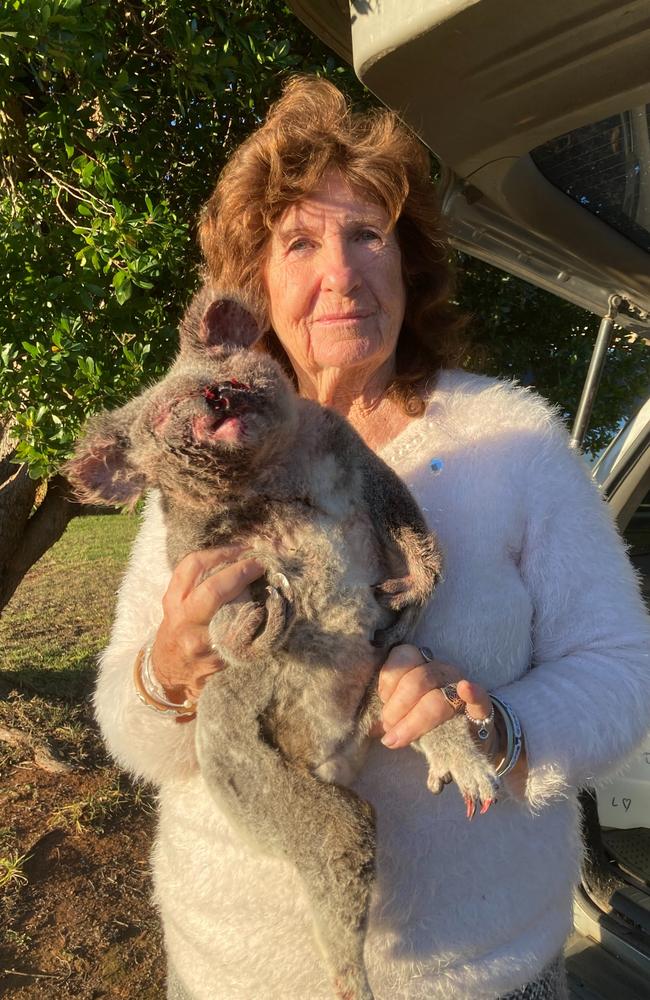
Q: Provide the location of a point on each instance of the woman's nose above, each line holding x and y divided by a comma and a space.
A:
340, 273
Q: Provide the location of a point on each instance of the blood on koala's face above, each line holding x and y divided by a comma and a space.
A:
206, 414
216, 418
212, 422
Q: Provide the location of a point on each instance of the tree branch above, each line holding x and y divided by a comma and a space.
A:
45, 526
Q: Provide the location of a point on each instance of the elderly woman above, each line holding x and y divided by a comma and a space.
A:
329, 221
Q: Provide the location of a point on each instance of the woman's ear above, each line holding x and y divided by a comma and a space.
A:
101, 470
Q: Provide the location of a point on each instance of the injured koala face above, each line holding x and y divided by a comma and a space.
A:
239, 457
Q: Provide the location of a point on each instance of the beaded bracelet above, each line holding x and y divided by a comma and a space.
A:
145, 688
513, 737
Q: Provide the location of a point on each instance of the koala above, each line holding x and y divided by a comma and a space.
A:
238, 456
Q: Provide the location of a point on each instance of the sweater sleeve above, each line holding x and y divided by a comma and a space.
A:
149, 744
585, 703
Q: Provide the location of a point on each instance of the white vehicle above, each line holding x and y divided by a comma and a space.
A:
539, 115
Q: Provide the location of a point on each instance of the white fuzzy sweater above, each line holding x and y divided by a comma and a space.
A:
540, 604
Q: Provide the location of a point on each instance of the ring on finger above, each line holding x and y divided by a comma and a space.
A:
451, 696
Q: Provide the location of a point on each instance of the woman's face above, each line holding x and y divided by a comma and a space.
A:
333, 276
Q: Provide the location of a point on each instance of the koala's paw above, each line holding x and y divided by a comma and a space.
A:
235, 626
398, 593
242, 628
453, 755
404, 597
279, 612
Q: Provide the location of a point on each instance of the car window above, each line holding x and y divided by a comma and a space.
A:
605, 167
637, 536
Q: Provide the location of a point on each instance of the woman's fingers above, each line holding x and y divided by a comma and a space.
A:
182, 655
195, 567
405, 678
409, 686
428, 712
401, 661
477, 701
218, 588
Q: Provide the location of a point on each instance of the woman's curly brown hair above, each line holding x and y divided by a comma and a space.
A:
308, 131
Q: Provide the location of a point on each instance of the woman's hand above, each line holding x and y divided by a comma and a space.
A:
182, 657
409, 687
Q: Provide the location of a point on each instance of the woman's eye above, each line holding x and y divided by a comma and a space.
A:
369, 235
298, 245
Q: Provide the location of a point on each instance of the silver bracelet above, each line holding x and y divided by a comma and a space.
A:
151, 693
513, 736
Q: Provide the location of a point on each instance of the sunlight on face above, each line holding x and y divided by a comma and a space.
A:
333, 277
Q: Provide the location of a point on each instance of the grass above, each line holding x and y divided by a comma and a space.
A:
50, 634
96, 808
59, 618
11, 868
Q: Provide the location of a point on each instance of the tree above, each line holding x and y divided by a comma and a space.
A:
523, 332
116, 118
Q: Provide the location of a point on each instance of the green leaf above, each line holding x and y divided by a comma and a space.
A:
123, 292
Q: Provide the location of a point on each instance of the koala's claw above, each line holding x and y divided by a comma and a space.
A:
472, 803
452, 754
279, 614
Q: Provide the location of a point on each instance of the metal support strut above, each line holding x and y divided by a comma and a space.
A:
596, 365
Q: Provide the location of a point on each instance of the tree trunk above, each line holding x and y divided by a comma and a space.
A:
27, 528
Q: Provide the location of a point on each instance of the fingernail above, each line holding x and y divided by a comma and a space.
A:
390, 739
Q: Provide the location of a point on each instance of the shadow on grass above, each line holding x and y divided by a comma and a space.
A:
75, 684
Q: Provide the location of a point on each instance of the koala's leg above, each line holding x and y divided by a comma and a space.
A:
326, 831
409, 549
407, 595
450, 751
345, 764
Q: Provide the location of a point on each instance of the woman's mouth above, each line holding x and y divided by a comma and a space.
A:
344, 317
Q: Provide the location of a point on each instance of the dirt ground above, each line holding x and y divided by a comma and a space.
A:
77, 918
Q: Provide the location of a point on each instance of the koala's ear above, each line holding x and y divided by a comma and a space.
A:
101, 470
227, 322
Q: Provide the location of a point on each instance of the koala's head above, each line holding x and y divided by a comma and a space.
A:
221, 414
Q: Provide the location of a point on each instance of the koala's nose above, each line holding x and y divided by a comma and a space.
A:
220, 395
215, 397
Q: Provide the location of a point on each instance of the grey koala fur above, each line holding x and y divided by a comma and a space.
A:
238, 456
